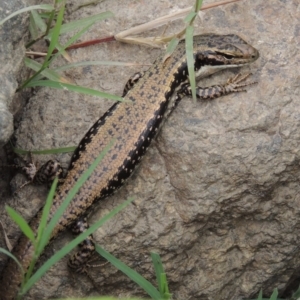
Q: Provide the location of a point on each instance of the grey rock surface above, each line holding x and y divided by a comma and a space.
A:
217, 195
12, 52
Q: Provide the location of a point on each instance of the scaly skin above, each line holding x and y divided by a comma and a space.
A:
133, 124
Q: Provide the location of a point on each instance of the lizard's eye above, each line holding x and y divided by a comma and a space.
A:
228, 56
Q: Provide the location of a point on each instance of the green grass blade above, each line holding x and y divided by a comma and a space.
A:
66, 249
55, 34
50, 19
103, 298
93, 63
192, 15
189, 18
160, 276
198, 5
40, 242
75, 88
165, 289
41, 28
20, 221
87, 22
46, 234
274, 295
74, 25
51, 74
61, 49
53, 43
29, 8
189, 46
33, 27
171, 47
296, 295
190, 59
158, 267
260, 295
53, 222
46, 151
4, 251
133, 275
48, 73
40, 23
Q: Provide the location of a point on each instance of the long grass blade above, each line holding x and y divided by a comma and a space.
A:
29, 8
165, 289
53, 43
48, 73
74, 25
61, 49
296, 295
33, 29
260, 295
274, 295
40, 30
4, 251
133, 275
21, 222
40, 23
46, 151
45, 234
93, 63
161, 276
55, 34
171, 47
103, 298
38, 244
72, 193
66, 249
158, 267
44, 218
198, 5
190, 59
75, 88
189, 18
51, 74
189, 46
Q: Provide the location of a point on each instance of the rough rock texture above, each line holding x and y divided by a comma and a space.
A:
217, 196
12, 52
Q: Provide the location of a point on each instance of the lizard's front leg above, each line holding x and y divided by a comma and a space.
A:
233, 85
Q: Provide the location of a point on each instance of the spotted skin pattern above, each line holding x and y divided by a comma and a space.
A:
132, 124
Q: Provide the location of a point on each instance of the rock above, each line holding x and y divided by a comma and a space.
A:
12, 52
217, 195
